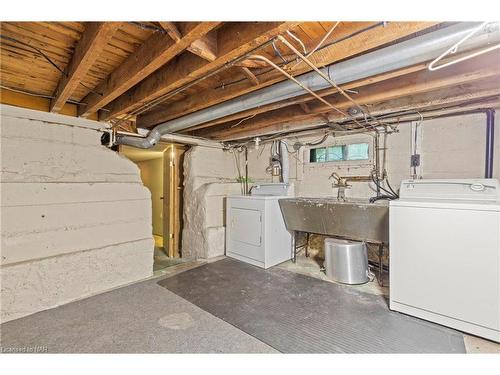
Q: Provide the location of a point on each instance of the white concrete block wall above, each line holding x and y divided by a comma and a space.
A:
209, 176
75, 217
452, 147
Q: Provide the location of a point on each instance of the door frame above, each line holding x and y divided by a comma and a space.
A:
173, 157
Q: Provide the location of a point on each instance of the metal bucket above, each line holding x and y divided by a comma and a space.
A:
346, 261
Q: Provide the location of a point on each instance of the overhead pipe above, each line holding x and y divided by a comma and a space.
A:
285, 165
293, 79
490, 142
410, 52
169, 137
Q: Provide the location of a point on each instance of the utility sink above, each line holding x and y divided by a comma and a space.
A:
355, 219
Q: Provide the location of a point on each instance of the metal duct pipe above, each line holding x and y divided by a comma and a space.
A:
490, 142
410, 52
285, 165
172, 138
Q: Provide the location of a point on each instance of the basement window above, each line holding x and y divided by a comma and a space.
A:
348, 152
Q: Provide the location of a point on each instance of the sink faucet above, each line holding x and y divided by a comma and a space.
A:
340, 184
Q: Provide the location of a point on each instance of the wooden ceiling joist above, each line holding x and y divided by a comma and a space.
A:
304, 99
248, 73
205, 47
189, 66
171, 30
151, 55
94, 38
370, 39
276, 123
406, 86
233, 41
459, 98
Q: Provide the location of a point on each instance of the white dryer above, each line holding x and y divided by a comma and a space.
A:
255, 229
445, 253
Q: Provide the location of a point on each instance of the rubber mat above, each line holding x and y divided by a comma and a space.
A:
295, 313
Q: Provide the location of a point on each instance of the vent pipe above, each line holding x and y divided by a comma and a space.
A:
490, 142
397, 56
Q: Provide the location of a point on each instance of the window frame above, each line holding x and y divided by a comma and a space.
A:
339, 142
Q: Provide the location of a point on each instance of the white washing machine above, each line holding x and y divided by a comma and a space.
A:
445, 253
255, 229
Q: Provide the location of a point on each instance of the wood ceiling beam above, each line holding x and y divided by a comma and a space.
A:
305, 107
93, 40
150, 56
18, 99
329, 91
233, 41
250, 76
303, 121
171, 30
365, 41
485, 99
306, 98
413, 84
205, 47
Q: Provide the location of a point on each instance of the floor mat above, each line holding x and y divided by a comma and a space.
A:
295, 313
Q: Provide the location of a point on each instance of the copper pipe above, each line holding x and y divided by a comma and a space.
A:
326, 78
290, 77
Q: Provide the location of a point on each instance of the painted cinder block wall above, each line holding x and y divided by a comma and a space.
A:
75, 217
209, 176
452, 147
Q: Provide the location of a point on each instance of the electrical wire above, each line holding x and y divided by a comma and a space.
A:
377, 183
40, 52
277, 52
147, 106
296, 38
329, 79
381, 197
415, 139
328, 33
390, 187
333, 42
318, 142
145, 26
25, 92
162, 98
243, 119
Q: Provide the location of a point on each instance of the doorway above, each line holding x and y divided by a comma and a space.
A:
161, 170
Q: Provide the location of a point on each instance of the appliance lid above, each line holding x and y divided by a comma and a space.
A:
481, 189
276, 189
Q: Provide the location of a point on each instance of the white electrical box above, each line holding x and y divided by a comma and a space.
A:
445, 253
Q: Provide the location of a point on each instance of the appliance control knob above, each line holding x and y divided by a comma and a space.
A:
477, 187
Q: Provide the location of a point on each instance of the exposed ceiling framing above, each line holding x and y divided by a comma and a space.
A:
145, 73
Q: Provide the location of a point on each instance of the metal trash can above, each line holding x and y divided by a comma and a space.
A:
346, 261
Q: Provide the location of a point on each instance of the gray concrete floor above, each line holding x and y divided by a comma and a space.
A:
140, 318
146, 318
162, 261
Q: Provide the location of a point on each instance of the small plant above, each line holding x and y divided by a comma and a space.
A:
243, 179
